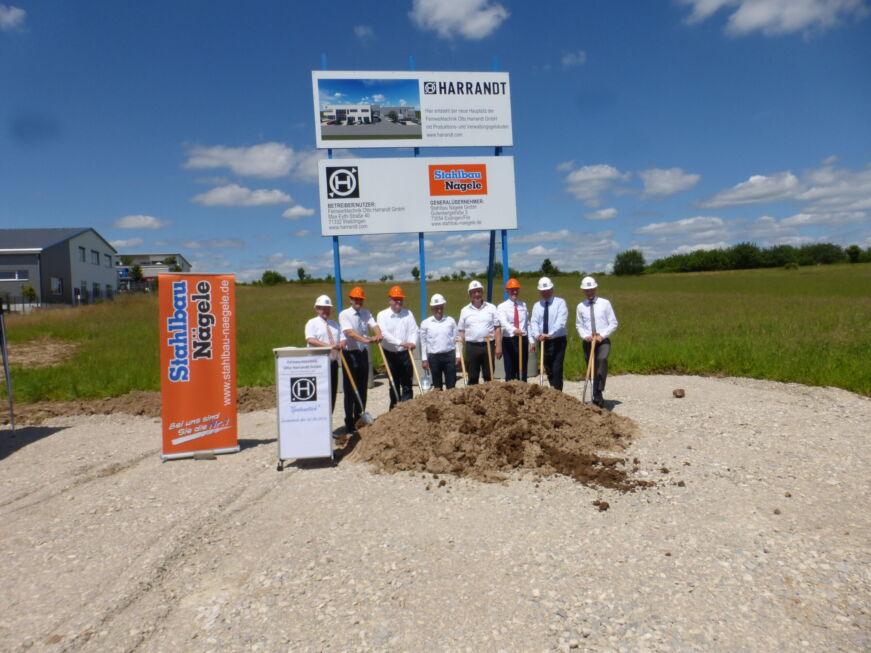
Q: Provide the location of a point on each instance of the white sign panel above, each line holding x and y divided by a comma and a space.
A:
411, 109
407, 195
303, 389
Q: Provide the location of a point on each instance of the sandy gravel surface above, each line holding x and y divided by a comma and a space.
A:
764, 546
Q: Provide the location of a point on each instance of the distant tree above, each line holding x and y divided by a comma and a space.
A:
854, 253
136, 273
300, 272
415, 272
386, 277
28, 293
548, 269
393, 115
175, 268
170, 260
744, 256
271, 278
821, 254
629, 262
126, 259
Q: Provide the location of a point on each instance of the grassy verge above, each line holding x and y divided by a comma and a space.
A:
808, 325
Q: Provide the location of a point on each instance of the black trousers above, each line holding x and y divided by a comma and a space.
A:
358, 361
511, 359
400, 367
443, 367
603, 349
334, 384
475, 354
554, 355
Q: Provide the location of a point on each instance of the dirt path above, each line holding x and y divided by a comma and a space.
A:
756, 538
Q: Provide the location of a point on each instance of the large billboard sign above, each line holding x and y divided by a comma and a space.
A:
407, 195
197, 332
411, 109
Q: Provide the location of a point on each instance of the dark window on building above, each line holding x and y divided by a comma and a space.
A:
57, 286
108, 259
95, 257
14, 275
82, 254
96, 290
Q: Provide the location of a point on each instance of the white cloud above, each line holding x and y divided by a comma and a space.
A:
778, 16
697, 227
364, 32
758, 188
140, 222
832, 217
378, 98
590, 182
302, 233
125, 243
602, 214
470, 19
296, 212
565, 166
660, 182
11, 18
573, 59
266, 160
541, 250
561, 235
686, 249
215, 243
236, 195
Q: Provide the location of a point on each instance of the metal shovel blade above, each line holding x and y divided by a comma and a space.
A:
367, 419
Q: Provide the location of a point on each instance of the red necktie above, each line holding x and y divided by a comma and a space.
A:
516, 317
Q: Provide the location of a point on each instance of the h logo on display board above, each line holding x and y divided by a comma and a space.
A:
303, 388
342, 183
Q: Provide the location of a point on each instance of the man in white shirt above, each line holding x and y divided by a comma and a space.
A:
438, 345
595, 320
321, 331
355, 322
515, 322
399, 332
548, 327
479, 330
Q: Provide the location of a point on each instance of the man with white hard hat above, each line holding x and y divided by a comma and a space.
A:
399, 330
438, 344
515, 325
321, 331
548, 327
595, 320
478, 329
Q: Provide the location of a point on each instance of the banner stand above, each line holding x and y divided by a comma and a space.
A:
303, 390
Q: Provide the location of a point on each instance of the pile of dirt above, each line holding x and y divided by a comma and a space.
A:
487, 431
138, 402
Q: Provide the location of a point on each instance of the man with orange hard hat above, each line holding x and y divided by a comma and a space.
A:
515, 322
399, 331
355, 322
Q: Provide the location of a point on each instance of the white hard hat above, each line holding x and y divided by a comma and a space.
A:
545, 283
475, 285
437, 300
323, 300
588, 283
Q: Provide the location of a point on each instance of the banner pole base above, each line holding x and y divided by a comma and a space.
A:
191, 454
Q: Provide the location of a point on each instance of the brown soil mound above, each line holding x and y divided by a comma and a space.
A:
138, 402
488, 430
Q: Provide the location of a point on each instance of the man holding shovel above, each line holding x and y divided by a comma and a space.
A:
480, 332
321, 331
515, 322
399, 330
438, 345
595, 321
548, 328
355, 322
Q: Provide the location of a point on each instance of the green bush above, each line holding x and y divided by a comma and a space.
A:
629, 262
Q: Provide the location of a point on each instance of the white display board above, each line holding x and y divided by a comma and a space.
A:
302, 380
408, 195
411, 109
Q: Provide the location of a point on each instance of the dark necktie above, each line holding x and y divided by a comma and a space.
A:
592, 316
545, 330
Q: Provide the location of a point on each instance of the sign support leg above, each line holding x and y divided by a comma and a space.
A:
490, 258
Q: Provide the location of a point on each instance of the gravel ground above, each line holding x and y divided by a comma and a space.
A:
756, 538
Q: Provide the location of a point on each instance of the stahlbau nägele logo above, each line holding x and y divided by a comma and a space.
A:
458, 179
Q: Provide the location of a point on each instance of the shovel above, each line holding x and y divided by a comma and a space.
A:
416, 373
389, 373
541, 365
591, 373
463, 367
489, 358
520, 357
365, 417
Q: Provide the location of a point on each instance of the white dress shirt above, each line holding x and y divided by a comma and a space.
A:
506, 317
437, 336
557, 317
397, 327
477, 324
325, 331
606, 321
359, 322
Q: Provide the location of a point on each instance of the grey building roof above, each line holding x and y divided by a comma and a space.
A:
38, 239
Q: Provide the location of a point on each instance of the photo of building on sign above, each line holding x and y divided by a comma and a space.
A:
369, 109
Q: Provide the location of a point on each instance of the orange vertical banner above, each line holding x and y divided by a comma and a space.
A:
197, 364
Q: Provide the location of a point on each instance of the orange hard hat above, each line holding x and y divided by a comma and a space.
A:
396, 293
357, 293
512, 283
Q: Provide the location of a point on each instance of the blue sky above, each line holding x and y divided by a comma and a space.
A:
385, 92
667, 125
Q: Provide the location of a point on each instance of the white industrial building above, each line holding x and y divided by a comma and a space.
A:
350, 114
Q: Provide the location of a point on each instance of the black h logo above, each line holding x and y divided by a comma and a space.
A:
303, 388
342, 183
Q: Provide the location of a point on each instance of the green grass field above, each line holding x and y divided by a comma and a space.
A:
809, 325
